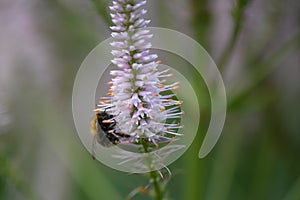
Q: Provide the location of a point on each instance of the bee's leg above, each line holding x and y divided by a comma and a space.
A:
108, 124
121, 134
113, 123
113, 138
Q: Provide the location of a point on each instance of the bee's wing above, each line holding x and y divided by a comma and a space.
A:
101, 137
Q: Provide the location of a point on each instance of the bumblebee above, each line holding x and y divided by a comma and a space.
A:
103, 128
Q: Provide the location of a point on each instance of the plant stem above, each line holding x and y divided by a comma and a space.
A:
153, 175
230, 45
238, 16
157, 189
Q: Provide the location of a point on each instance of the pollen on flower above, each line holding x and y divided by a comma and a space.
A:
178, 103
102, 103
162, 108
168, 100
167, 70
160, 85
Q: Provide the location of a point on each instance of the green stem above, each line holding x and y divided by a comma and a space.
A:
153, 175
230, 45
157, 189
238, 17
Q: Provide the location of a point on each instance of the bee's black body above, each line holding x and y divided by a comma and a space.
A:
106, 132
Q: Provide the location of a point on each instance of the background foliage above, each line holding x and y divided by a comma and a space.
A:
256, 46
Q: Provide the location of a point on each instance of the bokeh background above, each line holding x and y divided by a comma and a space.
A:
256, 46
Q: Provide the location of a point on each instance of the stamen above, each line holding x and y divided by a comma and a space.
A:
162, 108
160, 85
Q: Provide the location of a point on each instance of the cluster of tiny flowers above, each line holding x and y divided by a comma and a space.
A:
135, 97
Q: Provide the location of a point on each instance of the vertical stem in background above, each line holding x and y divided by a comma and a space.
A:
224, 166
237, 14
201, 18
222, 61
153, 176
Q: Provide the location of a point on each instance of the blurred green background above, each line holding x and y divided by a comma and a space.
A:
256, 46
